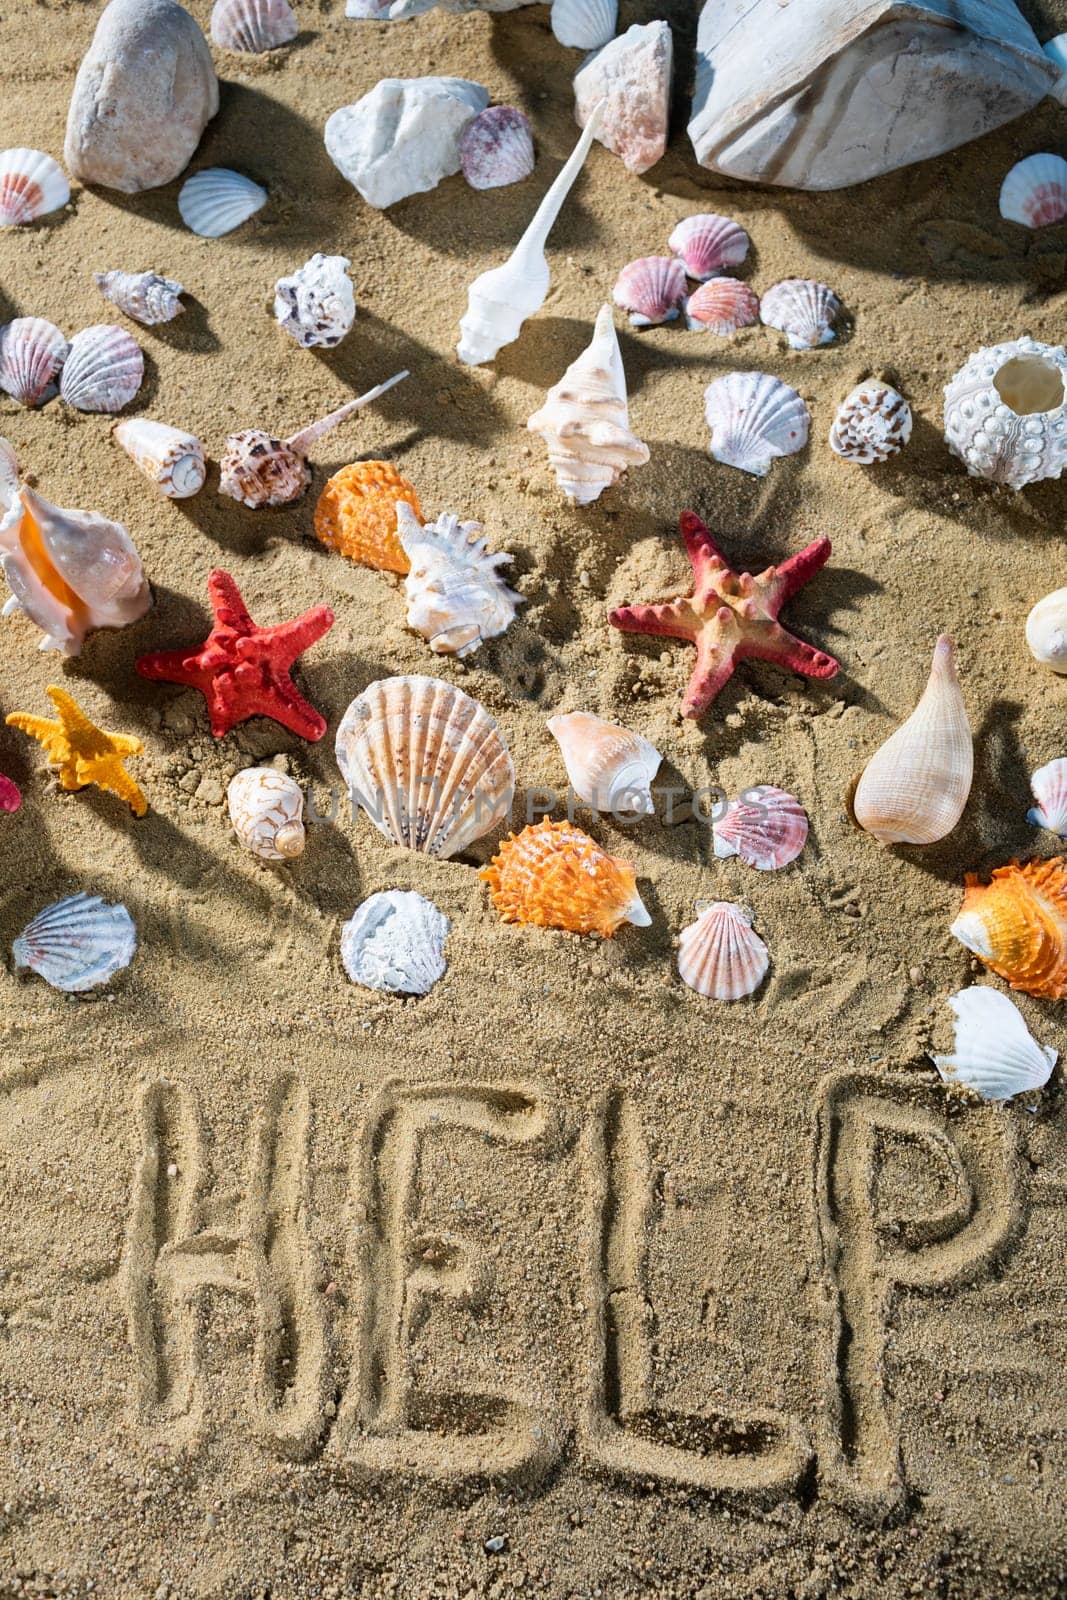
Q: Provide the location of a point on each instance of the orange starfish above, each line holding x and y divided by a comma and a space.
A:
83, 752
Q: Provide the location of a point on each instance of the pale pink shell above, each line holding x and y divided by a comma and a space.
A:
252, 26
765, 826
497, 148
104, 369
706, 243
1034, 192
1049, 788
720, 956
31, 185
31, 353
651, 289
722, 305
259, 470
801, 309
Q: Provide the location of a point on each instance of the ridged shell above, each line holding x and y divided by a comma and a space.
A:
1046, 631
1049, 788
104, 369
456, 595
872, 423
426, 763
9, 484
753, 419
396, 942
267, 813
78, 943
707, 243
1035, 191
651, 289
609, 767
722, 306
552, 875
497, 148
766, 827
1006, 412
994, 1053
216, 201
316, 303
145, 296
720, 955
1017, 925
10, 794
259, 470
584, 24
172, 459
801, 309
252, 26
357, 515
31, 185
31, 354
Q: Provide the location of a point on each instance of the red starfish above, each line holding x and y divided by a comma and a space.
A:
243, 670
731, 616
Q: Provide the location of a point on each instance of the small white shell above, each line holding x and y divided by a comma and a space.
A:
1049, 788
267, 812
1046, 631
145, 296
872, 423
103, 370
174, 460
610, 768
31, 353
994, 1052
651, 289
753, 419
496, 148
455, 593
801, 309
584, 24
707, 243
316, 304
720, 956
216, 201
396, 941
1006, 412
31, 185
252, 26
1035, 191
78, 943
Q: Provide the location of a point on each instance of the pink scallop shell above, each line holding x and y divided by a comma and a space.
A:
707, 243
722, 305
1049, 788
651, 289
31, 353
765, 826
497, 148
720, 955
10, 794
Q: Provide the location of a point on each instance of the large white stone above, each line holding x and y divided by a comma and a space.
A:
403, 137
634, 73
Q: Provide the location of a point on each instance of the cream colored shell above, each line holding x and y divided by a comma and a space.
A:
267, 812
172, 459
1046, 631
610, 768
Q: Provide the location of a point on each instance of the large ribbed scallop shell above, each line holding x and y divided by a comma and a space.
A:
252, 26
707, 243
994, 1054
216, 201
1017, 925
720, 955
651, 289
801, 309
32, 351
357, 514
1046, 631
766, 827
584, 24
552, 875
722, 306
1035, 191
267, 812
103, 370
173, 459
914, 788
426, 763
31, 185
754, 418
1006, 412
147, 297
872, 423
1049, 788
78, 943
456, 595
396, 941
609, 767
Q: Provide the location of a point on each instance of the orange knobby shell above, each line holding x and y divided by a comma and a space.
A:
356, 514
552, 875
1017, 925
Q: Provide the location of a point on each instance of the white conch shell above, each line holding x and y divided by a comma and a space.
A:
994, 1053
174, 460
316, 303
456, 596
610, 768
584, 24
215, 201
720, 955
1048, 785
1006, 412
585, 419
147, 297
499, 301
914, 788
267, 812
1046, 631
395, 941
78, 943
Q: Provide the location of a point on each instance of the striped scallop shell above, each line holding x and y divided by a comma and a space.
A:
103, 370
1035, 191
552, 875
994, 1054
1017, 925
801, 309
1049, 788
145, 296
584, 24
651, 289
496, 148
216, 201
754, 418
31, 353
720, 956
765, 826
873, 422
31, 185
78, 943
722, 306
396, 941
252, 26
707, 243
267, 812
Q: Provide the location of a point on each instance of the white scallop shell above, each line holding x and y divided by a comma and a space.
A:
1035, 191
396, 941
32, 351
872, 423
1005, 412
1049, 788
78, 943
720, 956
456, 596
216, 201
147, 297
801, 309
1046, 631
707, 243
316, 304
766, 827
103, 370
252, 26
651, 289
609, 767
31, 185
994, 1053
267, 812
173, 459
584, 24
753, 419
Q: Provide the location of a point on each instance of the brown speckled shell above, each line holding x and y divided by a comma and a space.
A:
259, 470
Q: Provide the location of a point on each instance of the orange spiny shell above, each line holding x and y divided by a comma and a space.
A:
1017, 925
552, 875
356, 514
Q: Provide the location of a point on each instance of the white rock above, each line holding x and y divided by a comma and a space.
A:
633, 73
403, 137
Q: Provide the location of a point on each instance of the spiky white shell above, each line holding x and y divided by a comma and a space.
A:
584, 24
396, 941
32, 351
707, 243
722, 306
496, 148
173, 459
267, 812
1034, 192
765, 826
609, 767
216, 201
754, 418
103, 370
31, 185
78, 943
872, 423
1046, 631
316, 303
147, 297
1005, 412
801, 309
456, 595
1049, 788
651, 289
994, 1053
720, 955
252, 26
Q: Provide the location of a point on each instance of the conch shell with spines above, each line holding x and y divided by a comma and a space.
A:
914, 789
552, 875
1017, 925
455, 593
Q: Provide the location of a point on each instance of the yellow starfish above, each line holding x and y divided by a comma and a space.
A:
83, 752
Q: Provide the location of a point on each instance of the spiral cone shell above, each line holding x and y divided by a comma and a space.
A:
552, 875
173, 459
1017, 925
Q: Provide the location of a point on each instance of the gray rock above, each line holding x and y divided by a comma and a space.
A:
403, 137
633, 73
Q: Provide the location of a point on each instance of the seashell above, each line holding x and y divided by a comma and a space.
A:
103, 370
10, 794
584, 24
78, 943
915, 786
10, 504
872, 423
259, 470
722, 306
1035, 191
766, 827
651, 289
610, 768
497, 148
499, 301
1017, 925
70, 571
754, 418
1056, 50
804, 311
1049, 788
426, 763
707, 243
994, 1054
552, 875
31, 185
267, 812
172, 459
720, 955
456, 596
216, 201
585, 420
252, 26
145, 296
396, 941
357, 514
1006, 412
316, 304
31, 354
1046, 631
